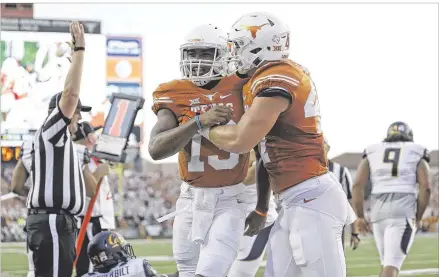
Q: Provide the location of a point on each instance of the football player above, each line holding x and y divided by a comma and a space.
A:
253, 246
112, 255
394, 166
344, 177
210, 212
284, 110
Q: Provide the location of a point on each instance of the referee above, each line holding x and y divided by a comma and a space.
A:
344, 177
59, 185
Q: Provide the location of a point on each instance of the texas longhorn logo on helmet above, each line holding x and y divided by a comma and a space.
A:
253, 29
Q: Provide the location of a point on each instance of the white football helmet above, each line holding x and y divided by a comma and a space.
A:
201, 70
256, 38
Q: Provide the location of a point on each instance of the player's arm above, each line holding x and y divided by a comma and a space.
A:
101, 171
90, 182
251, 176
263, 187
362, 174
348, 183
256, 220
253, 126
167, 137
424, 188
19, 177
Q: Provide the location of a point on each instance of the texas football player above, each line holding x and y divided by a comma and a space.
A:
284, 110
395, 167
211, 209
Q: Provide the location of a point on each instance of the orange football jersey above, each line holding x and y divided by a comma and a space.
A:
201, 163
293, 151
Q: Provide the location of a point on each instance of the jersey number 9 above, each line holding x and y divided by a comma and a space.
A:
392, 155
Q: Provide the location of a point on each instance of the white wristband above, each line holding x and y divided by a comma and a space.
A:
205, 132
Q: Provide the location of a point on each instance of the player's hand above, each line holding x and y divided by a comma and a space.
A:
216, 115
354, 241
103, 169
77, 32
254, 223
92, 138
362, 225
186, 116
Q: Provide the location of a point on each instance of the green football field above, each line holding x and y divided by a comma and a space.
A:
422, 260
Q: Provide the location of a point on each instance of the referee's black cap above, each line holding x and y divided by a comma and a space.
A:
56, 98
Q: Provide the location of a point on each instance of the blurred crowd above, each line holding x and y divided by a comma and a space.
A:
139, 198
143, 198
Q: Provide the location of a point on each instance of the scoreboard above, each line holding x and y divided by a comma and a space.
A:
11, 141
10, 153
11, 144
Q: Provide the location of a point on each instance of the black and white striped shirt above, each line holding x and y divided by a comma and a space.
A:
57, 179
343, 175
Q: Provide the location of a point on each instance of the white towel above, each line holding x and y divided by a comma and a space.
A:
203, 208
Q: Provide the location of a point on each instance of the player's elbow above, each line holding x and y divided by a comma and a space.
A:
155, 152
155, 155
424, 189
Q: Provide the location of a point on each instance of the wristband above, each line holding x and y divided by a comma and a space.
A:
79, 49
260, 213
199, 124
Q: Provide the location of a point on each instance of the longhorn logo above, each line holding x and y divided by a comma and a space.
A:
253, 29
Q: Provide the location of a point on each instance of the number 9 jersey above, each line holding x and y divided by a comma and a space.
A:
393, 166
201, 163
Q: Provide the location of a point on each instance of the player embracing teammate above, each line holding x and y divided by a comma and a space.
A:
202, 118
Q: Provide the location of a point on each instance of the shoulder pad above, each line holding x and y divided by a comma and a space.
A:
426, 156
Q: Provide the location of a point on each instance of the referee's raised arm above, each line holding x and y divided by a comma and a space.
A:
66, 105
58, 188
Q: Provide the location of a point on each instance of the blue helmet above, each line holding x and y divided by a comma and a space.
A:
107, 249
399, 131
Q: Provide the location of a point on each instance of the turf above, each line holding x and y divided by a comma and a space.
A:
361, 262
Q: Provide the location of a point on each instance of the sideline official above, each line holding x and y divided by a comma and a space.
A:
58, 184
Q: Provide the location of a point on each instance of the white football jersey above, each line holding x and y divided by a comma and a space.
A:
393, 166
104, 202
26, 154
103, 207
131, 268
26, 159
